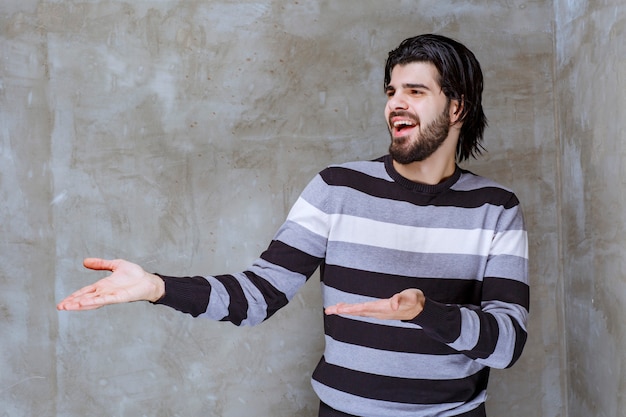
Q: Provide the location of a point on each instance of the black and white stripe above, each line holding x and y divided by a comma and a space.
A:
374, 234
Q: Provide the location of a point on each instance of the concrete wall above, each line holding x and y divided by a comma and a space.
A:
178, 134
591, 81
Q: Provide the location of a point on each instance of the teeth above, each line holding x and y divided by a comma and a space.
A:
402, 123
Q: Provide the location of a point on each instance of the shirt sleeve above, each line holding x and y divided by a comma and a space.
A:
254, 295
494, 333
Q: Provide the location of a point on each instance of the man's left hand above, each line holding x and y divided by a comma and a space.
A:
405, 305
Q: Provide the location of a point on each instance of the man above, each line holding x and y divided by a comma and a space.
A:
423, 265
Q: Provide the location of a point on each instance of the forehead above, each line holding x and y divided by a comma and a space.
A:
424, 73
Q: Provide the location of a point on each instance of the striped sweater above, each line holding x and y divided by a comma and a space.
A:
374, 233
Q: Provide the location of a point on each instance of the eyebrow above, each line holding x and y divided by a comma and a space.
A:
409, 85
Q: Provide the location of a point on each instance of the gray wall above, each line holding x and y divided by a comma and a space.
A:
178, 134
590, 87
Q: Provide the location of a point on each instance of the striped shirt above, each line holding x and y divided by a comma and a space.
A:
373, 234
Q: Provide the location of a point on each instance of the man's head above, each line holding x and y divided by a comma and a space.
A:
459, 78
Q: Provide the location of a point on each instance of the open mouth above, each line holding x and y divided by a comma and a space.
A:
401, 126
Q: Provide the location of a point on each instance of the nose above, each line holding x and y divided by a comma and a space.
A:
397, 102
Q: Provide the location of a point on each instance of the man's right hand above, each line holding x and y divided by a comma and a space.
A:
128, 282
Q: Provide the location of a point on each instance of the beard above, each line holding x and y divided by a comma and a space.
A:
429, 138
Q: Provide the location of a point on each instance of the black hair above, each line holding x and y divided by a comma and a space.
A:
460, 78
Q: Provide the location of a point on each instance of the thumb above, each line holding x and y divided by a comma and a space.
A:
394, 302
98, 264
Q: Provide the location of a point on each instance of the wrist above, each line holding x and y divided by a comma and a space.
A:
159, 287
421, 301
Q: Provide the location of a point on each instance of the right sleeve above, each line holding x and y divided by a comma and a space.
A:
186, 294
252, 296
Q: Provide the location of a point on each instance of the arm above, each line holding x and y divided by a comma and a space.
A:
252, 296
249, 297
244, 298
492, 333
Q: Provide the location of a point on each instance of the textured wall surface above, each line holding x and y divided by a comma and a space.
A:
591, 74
177, 135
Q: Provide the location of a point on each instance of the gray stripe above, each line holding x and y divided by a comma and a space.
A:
429, 265
399, 364
518, 312
470, 181
257, 307
508, 266
302, 239
371, 168
280, 278
218, 301
511, 219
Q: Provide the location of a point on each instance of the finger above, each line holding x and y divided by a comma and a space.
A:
361, 309
90, 301
333, 309
98, 264
343, 308
87, 308
89, 291
69, 303
76, 306
85, 290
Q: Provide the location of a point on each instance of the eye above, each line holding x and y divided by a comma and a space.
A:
390, 93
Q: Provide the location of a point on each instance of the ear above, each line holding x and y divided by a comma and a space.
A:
456, 108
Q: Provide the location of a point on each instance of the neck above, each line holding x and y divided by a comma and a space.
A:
425, 172
433, 170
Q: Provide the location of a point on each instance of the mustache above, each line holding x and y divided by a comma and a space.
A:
405, 115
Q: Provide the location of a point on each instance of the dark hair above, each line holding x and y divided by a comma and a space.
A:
460, 78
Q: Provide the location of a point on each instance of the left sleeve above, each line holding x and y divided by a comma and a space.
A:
493, 334
250, 297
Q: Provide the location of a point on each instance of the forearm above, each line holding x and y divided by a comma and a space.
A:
252, 296
242, 298
494, 335
186, 294
245, 298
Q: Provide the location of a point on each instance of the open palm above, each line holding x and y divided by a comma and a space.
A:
405, 305
128, 282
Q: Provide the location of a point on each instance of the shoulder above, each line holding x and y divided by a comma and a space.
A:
486, 189
469, 181
356, 169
